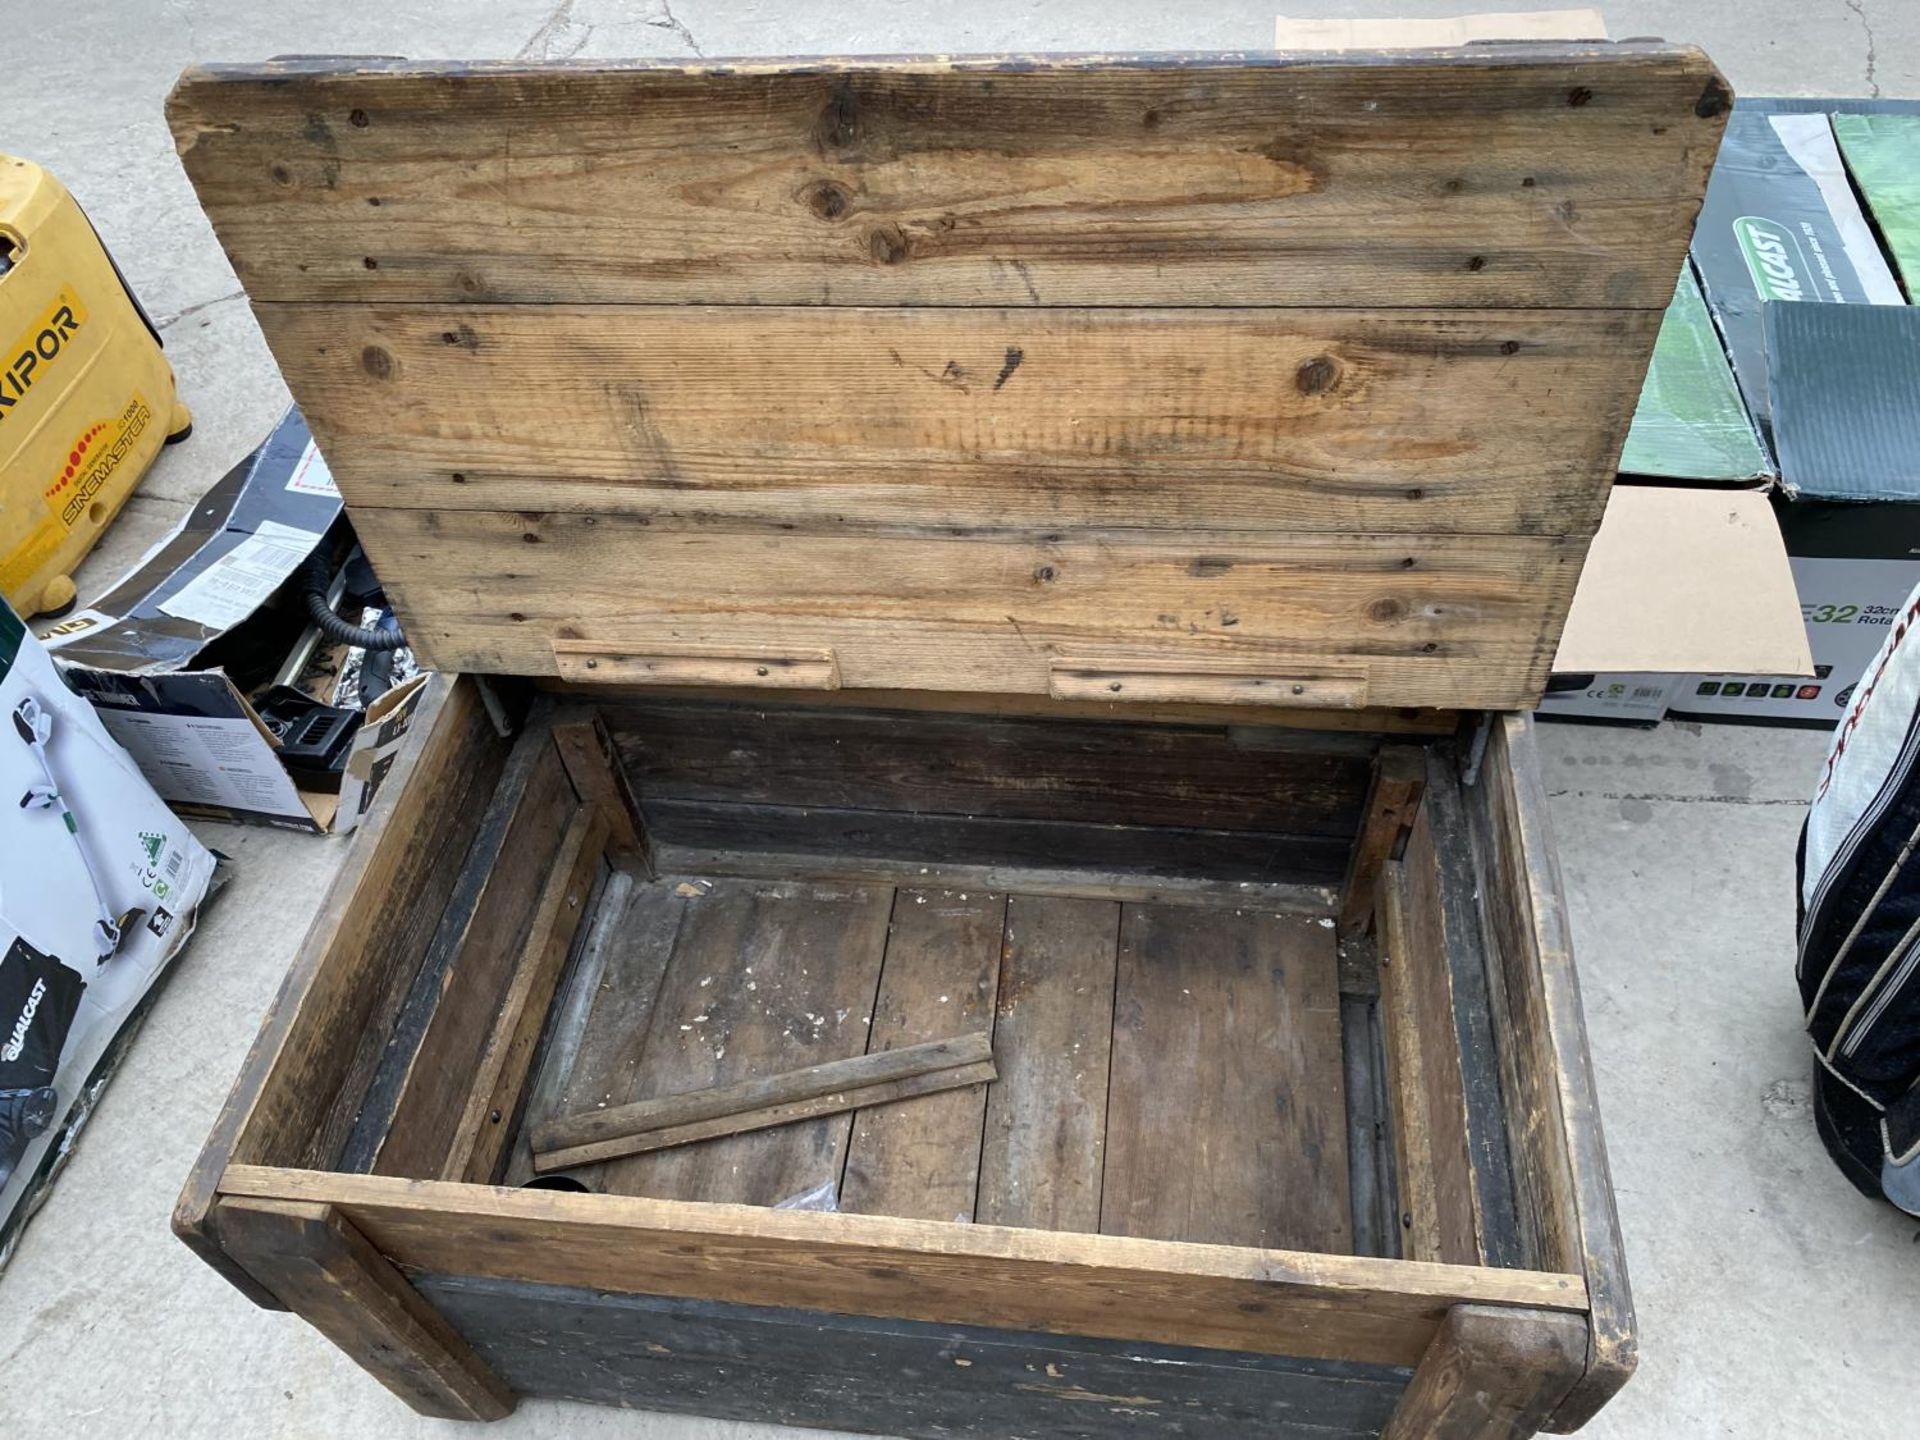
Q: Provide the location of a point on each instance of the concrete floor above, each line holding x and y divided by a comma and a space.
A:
1773, 1300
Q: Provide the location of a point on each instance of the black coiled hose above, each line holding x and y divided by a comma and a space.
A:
314, 576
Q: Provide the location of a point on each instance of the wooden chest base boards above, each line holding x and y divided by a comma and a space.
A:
1292, 1165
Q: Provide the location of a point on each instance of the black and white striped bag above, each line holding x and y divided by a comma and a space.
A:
1859, 962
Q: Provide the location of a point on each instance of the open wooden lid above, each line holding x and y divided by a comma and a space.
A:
1247, 378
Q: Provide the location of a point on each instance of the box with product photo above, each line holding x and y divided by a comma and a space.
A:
159, 653
1847, 431
100, 885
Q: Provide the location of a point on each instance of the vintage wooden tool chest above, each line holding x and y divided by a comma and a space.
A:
1048, 555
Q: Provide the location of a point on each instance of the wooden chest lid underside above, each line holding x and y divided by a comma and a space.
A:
1272, 379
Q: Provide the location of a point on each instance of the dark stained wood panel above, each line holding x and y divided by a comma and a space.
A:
990, 421
1042, 1155
1485, 176
920, 1158
1226, 1121
1197, 777
764, 978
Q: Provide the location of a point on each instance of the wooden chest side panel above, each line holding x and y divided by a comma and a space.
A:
1547, 1074
1442, 621
943, 1382
921, 421
1270, 1302
1484, 176
327, 1027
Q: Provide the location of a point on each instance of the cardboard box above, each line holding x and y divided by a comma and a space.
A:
1846, 397
1677, 577
100, 885
155, 652
1781, 223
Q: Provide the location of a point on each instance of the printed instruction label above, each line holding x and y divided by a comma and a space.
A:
312, 476
235, 585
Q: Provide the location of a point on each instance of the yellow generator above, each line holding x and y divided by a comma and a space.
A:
86, 397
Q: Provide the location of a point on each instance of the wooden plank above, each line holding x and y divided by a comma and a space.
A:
1399, 777
623, 974
322, 1268
761, 1091
777, 1366
1306, 685
1213, 777
1376, 1208
1436, 1216
842, 1101
497, 1086
597, 776
1084, 884
366, 938
1226, 1118
1440, 620
790, 974
1491, 1375
1440, 870
1158, 1292
409, 1118
918, 422
921, 1159
762, 667
1045, 1142
1256, 725
1553, 1111
857, 836
1555, 174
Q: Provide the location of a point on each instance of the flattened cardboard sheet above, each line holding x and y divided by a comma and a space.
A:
1686, 580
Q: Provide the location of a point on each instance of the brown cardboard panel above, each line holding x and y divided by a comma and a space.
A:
1405, 33
1686, 580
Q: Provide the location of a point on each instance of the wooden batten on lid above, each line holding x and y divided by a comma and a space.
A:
1259, 380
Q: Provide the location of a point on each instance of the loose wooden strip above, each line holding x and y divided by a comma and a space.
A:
498, 1082
770, 668
1547, 1075
1491, 1375
1437, 620
1307, 684
1045, 1141
1557, 174
597, 776
400, 867
1399, 777
1226, 1117
1271, 1302
768, 1117
789, 976
323, 1269
760, 1092
924, 421
921, 1160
